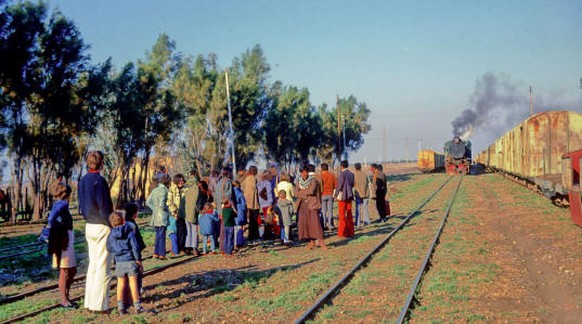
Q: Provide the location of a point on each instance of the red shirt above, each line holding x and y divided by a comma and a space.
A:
329, 183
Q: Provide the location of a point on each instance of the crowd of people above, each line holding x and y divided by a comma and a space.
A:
227, 212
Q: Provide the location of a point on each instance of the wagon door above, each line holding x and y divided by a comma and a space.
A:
536, 146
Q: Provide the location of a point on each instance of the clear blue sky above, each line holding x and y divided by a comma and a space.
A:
414, 63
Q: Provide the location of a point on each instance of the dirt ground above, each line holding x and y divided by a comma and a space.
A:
507, 255
523, 264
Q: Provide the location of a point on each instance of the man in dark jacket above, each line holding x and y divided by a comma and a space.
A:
379, 180
344, 196
95, 206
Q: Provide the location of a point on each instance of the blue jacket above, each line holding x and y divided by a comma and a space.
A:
123, 245
94, 199
241, 207
60, 222
138, 237
207, 223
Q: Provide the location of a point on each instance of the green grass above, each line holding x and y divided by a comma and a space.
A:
24, 306
274, 253
358, 286
362, 314
36, 266
361, 239
476, 318
289, 299
328, 313
179, 318
253, 279
225, 298
18, 240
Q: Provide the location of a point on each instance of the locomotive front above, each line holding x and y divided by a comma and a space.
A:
457, 156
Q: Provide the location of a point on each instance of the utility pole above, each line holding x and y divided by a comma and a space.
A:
384, 143
530, 102
231, 131
406, 149
339, 132
345, 152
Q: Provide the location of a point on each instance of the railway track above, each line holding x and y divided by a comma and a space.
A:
35, 247
334, 294
78, 285
45, 309
49, 287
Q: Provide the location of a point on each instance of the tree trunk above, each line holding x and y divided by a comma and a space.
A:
122, 194
133, 183
35, 182
143, 180
17, 188
46, 181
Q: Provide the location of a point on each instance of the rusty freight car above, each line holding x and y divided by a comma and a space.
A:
571, 170
532, 151
430, 161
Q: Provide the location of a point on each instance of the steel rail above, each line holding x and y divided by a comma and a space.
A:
38, 246
12, 247
424, 267
15, 255
347, 277
17, 297
76, 298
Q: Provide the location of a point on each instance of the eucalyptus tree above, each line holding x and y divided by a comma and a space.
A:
95, 95
292, 126
250, 102
349, 117
353, 122
20, 29
56, 114
124, 125
162, 112
329, 138
45, 61
194, 86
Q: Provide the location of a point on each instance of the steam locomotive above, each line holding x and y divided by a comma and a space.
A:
457, 156
455, 160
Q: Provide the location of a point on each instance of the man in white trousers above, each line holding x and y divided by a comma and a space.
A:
96, 206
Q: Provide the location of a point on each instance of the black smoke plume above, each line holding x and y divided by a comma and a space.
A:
495, 103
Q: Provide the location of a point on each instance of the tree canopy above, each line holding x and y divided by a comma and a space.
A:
56, 105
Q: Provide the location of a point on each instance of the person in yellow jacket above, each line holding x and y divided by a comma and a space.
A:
176, 204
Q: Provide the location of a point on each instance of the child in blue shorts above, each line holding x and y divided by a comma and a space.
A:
123, 245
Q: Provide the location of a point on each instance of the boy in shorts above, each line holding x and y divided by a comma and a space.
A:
126, 252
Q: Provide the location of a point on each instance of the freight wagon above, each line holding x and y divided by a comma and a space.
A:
571, 170
430, 161
532, 152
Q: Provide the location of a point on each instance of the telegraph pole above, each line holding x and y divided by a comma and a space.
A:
384, 143
345, 151
339, 131
231, 131
530, 102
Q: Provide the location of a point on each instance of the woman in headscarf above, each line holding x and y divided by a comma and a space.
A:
308, 205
